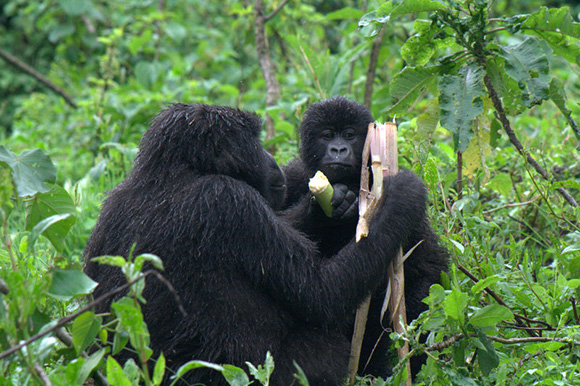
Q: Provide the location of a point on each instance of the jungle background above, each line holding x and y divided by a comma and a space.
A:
486, 95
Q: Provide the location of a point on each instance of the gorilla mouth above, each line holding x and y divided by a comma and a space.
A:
338, 165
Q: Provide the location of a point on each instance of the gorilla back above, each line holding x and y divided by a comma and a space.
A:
200, 196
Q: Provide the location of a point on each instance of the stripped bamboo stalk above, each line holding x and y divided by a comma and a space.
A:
381, 147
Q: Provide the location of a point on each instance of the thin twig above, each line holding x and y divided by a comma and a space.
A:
275, 11
531, 339
313, 73
501, 115
512, 205
373, 59
573, 301
266, 65
37, 75
42, 375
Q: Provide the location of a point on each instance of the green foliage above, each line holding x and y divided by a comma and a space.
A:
124, 61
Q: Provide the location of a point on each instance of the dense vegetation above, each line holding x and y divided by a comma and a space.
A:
486, 96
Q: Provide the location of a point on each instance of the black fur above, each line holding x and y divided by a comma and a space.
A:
423, 267
200, 197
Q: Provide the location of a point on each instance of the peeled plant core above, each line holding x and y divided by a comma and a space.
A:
318, 183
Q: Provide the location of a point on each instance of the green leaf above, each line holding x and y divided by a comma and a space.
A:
192, 365
565, 184
480, 285
454, 305
571, 248
430, 38
60, 232
460, 102
159, 370
147, 257
44, 205
428, 120
488, 359
75, 7
131, 320
71, 374
557, 28
478, 150
146, 73
395, 8
90, 364
84, 331
502, 184
408, 84
235, 376
262, 373
115, 374
458, 245
138, 41
490, 315
345, 13
115, 261
67, 284
431, 174
132, 371
528, 65
30, 170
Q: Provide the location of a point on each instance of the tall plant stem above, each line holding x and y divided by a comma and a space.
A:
517, 144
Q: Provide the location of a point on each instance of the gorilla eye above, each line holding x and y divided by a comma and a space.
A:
348, 134
327, 134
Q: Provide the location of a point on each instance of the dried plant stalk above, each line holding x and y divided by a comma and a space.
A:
381, 147
396, 273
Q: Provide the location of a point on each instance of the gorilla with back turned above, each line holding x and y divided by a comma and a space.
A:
332, 135
201, 196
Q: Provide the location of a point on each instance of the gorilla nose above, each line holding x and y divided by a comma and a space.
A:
338, 151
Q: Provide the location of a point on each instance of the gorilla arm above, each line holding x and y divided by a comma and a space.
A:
281, 262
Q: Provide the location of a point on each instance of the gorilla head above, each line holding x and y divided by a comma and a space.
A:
333, 133
209, 140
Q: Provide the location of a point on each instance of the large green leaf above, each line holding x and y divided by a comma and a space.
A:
528, 65
30, 170
408, 84
395, 8
460, 102
488, 359
454, 305
490, 315
90, 364
84, 330
557, 27
68, 283
115, 374
429, 38
371, 22
46, 205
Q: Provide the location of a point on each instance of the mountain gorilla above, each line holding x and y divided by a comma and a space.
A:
332, 135
201, 196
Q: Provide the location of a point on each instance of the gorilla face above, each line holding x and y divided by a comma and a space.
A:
333, 133
340, 152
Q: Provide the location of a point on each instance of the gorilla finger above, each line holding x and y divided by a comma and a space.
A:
346, 211
350, 197
352, 211
340, 192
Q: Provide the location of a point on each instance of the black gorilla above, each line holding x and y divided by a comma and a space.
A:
332, 135
200, 196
